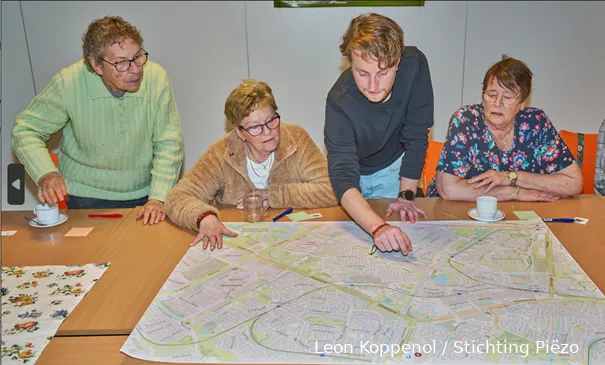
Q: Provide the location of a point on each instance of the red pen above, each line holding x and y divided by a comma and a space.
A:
117, 215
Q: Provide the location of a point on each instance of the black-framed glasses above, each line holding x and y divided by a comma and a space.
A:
257, 130
124, 65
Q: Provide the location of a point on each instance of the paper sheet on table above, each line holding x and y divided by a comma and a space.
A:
79, 232
526, 214
300, 216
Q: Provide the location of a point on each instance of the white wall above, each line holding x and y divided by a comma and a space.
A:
296, 52
562, 42
17, 89
208, 47
202, 46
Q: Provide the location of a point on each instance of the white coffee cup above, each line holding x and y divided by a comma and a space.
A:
47, 214
487, 206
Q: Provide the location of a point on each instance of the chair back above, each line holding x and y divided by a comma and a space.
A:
433, 153
583, 147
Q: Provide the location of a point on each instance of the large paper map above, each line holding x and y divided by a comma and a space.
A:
310, 293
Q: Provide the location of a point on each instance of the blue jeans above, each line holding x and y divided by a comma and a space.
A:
78, 202
383, 183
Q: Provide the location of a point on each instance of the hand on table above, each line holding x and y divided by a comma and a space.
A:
406, 209
491, 179
152, 212
528, 195
211, 232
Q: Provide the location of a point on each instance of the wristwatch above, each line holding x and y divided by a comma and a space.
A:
512, 178
407, 195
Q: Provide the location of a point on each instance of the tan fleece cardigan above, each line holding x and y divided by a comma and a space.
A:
298, 177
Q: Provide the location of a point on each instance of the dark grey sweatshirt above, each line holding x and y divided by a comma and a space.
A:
364, 137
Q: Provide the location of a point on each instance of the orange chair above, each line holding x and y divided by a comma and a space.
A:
584, 148
55, 158
433, 152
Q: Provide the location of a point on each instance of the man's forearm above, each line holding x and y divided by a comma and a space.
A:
408, 184
359, 209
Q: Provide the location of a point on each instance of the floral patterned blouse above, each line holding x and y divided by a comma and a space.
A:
470, 150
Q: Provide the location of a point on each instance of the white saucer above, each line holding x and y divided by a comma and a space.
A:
498, 217
62, 219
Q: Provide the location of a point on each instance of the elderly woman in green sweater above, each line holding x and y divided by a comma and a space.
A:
121, 144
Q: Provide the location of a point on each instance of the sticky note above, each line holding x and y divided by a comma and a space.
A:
79, 232
316, 215
300, 216
8, 233
581, 220
526, 214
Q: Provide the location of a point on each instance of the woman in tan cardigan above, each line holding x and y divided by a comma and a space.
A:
261, 152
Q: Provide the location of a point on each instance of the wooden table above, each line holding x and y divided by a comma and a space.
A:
89, 350
32, 246
142, 257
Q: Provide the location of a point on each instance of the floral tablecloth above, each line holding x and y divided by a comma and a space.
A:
35, 301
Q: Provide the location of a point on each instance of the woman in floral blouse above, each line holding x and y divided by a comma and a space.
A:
504, 149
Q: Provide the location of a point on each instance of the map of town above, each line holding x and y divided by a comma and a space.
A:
310, 292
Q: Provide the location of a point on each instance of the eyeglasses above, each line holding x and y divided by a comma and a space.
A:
256, 130
124, 65
492, 97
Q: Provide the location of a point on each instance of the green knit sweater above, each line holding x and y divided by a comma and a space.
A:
111, 148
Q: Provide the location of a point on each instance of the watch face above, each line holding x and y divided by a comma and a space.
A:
512, 175
409, 195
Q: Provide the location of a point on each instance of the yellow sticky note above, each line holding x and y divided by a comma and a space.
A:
300, 216
526, 214
79, 232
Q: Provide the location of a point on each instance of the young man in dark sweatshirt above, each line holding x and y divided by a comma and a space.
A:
378, 115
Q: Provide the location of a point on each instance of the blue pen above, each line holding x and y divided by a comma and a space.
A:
559, 220
285, 212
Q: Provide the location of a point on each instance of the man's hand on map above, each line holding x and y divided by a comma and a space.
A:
211, 232
406, 209
391, 238
152, 212
528, 195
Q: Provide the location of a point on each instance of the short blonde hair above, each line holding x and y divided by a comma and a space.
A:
247, 97
103, 33
376, 36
